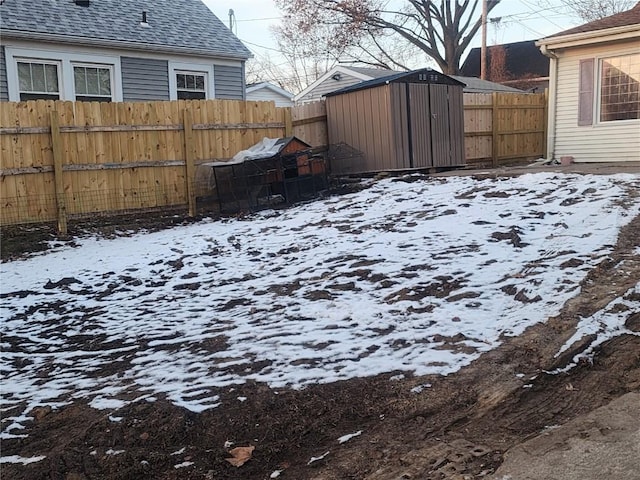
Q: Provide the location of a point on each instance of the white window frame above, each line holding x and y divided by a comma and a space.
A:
39, 61
92, 65
66, 60
598, 93
177, 67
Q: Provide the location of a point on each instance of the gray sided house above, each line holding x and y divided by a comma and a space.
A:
111, 50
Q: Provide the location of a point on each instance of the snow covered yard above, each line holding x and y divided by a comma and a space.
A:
412, 274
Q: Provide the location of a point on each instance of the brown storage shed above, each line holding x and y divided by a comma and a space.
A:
409, 120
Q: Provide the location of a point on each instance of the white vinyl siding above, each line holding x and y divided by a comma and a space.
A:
328, 86
268, 95
601, 141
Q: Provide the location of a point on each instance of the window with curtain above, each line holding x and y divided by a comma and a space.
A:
92, 83
38, 80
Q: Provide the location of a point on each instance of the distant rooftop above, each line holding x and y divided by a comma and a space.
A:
477, 85
522, 59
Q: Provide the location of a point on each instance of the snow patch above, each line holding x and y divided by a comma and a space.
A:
346, 438
22, 460
315, 459
605, 324
420, 388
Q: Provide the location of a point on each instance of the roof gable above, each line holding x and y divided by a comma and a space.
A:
622, 19
185, 26
359, 73
269, 86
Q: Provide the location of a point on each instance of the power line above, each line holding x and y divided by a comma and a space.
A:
530, 7
260, 19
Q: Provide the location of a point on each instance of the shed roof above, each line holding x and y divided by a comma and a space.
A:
622, 19
179, 26
424, 75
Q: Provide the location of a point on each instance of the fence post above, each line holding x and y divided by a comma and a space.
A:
288, 123
189, 162
57, 173
494, 129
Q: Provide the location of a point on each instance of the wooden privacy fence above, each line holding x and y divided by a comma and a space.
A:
60, 159
309, 122
502, 127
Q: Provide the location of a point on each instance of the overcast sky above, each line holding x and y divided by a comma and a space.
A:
520, 20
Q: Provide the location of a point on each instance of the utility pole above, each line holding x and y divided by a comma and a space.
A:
483, 49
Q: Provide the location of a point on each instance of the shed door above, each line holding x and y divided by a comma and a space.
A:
456, 125
419, 125
440, 138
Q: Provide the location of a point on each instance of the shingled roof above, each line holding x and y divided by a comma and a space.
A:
622, 19
178, 26
522, 59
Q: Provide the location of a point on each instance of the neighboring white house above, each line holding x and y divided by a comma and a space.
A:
343, 76
265, 91
111, 51
594, 90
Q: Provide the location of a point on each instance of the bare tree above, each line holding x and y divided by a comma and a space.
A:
442, 30
590, 10
305, 58
498, 71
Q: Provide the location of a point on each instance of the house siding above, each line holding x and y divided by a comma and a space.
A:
229, 82
266, 95
328, 86
144, 79
4, 90
599, 142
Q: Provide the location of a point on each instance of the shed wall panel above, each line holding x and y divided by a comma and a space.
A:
144, 79
4, 91
361, 121
229, 82
400, 125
